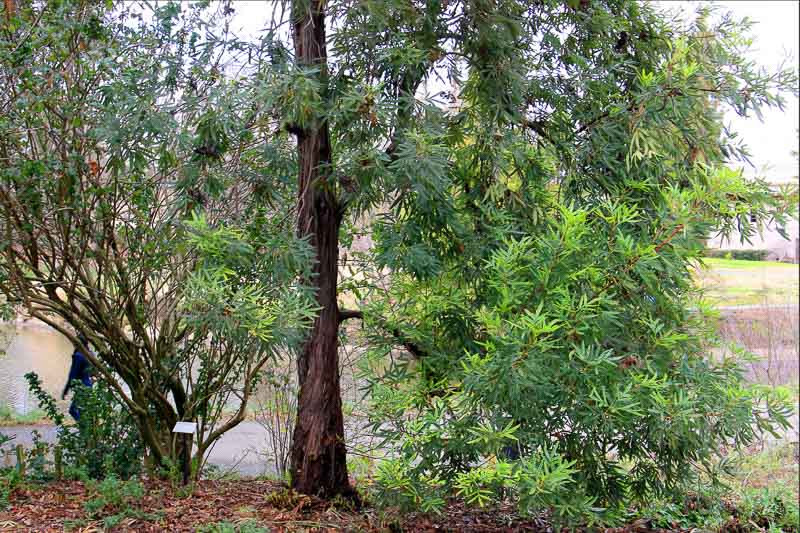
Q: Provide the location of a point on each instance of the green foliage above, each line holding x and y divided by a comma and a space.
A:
105, 441
73, 524
542, 258
46, 402
10, 479
398, 484
533, 243
772, 508
10, 417
5, 439
743, 255
37, 464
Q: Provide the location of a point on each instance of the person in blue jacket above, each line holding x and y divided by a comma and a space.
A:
81, 371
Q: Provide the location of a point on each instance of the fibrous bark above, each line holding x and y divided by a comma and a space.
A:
318, 457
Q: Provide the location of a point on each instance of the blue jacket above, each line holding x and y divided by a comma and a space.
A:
79, 370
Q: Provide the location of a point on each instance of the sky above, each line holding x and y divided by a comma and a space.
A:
776, 34
777, 37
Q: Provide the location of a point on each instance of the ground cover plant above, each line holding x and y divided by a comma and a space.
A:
180, 196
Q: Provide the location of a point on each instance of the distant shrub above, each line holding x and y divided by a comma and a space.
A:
743, 255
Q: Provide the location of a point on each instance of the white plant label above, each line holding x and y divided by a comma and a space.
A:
184, 427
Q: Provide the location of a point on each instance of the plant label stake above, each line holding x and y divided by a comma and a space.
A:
186, 429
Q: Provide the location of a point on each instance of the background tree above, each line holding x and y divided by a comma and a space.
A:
133, 209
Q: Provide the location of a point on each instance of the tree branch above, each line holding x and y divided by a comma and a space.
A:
345, 314
412, 348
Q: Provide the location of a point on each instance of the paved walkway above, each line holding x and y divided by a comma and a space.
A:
236, 451
755, 306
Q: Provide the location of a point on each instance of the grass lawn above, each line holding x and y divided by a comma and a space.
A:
729, 282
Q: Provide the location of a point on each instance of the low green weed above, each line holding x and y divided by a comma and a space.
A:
247, 526
10, 479
112, 496
104, 441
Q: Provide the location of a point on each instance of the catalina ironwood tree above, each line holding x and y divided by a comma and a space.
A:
540, 236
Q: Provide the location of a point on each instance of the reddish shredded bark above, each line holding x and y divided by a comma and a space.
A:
318, 455
10, 8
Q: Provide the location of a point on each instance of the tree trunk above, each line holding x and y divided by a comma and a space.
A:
10, 9
318, 457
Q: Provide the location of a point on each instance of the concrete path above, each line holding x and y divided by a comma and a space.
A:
755, 306
239, 450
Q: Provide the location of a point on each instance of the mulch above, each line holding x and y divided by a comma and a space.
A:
59, 506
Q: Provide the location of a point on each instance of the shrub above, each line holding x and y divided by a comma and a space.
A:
9, 477
5, 439
774, 506
36, 460
743, 255
114, 500
9, 480
608, 394
275, 409
105, 441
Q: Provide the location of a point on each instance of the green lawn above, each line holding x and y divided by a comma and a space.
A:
734, 282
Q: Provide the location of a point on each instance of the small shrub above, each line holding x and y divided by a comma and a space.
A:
38, 464
769, 507
112, 496
275, 410
104, 441
10, 479
5, 439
